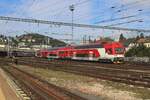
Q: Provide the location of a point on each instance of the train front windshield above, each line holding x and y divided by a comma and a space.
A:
119, 50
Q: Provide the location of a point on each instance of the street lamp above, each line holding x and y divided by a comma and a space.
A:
71, 7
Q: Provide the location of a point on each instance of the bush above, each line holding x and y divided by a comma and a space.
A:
138, 51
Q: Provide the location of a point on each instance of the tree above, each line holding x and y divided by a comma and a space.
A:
121, 38
138, 51
137, 37
108, 39
15, 42
141, 35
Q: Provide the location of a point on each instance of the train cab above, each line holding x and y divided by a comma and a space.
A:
115, 51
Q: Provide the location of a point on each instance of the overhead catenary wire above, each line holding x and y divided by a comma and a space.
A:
42, 9
22, 10
125, 8
67, 24
30, 6
118, 18
75, 4
131, 21
81, 2
135, 16
122, 18
61, 9
114, 19
112, 7
116, 9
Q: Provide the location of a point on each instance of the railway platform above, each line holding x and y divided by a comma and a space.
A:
6, 92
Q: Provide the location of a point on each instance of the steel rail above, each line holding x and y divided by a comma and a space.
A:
44, 89
134, 78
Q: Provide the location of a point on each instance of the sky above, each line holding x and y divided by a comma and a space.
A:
94, 12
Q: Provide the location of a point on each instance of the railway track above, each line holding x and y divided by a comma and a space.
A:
126, 66
122, 68
140, 78
118, 74
39, 89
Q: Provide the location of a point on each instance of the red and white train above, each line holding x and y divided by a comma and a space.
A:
104, 52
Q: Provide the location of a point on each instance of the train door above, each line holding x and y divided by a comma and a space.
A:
91, 55
74, 55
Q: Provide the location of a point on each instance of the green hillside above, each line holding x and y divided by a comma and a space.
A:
31, 39
38, 39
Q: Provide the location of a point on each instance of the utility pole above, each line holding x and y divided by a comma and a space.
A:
71, 7
8, 47
85, 39
89, 39
47, 42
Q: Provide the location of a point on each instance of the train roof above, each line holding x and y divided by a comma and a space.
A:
98, 45
89, 46
54, 48
114, 44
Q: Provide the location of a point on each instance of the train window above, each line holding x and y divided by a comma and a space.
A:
94, 55
89, 46
119, 50
61, 52
52, 55
109, 51
82, 55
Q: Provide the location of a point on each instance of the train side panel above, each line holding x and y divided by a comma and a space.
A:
108, 52
86, 54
